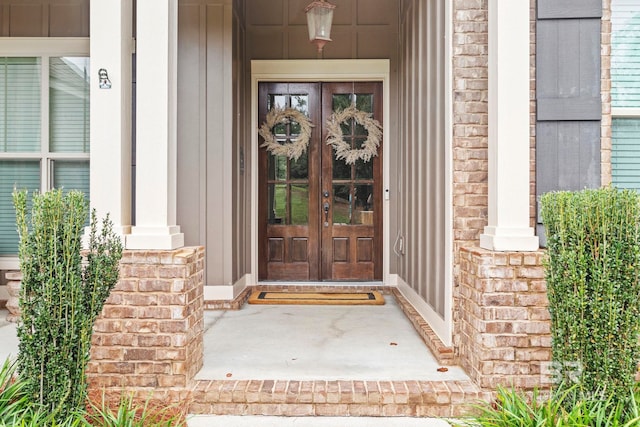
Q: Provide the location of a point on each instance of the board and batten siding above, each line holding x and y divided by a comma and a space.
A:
421, 163
208, 163
568, 96
37, 18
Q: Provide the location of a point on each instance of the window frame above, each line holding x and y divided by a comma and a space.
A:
44, 48
619, 112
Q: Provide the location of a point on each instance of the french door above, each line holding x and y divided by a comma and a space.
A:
319, 217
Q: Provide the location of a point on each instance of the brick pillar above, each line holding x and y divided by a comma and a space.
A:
503, 318
13, 287
150, 331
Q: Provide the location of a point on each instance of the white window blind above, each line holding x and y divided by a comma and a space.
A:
69, 105
71, 175
625, 93
625, 53
626, 153
14, 174
20, 115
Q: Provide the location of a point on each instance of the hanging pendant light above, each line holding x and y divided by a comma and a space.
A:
319, 18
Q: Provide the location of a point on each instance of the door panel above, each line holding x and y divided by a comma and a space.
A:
351, 241
320, 218
288, 191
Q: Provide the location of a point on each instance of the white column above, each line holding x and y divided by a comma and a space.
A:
110, 171
509, 44
156, 134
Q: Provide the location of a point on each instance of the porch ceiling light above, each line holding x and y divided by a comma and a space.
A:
319, 18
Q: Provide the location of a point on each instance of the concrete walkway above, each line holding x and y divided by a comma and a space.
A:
8, 338
258, 421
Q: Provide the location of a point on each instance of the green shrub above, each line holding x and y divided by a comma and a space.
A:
592, 272
127, 411
13, 398
60, 298
512, 408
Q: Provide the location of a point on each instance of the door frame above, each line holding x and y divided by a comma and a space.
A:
319, 70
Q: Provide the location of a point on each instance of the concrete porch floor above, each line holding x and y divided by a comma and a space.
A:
310, 361
318, 342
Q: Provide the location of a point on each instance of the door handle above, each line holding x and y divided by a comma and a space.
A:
325, 208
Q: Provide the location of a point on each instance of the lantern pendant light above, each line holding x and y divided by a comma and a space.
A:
319, 18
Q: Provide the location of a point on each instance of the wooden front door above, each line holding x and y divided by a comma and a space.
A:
319, 217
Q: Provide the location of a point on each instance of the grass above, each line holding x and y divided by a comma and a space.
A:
123, 410
512, 409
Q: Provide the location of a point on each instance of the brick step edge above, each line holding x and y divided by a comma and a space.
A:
336, 398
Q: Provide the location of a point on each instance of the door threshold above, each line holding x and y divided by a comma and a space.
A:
337, 284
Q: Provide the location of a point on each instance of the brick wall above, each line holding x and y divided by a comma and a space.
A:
504, 328
150, 332
605, 72
470, 120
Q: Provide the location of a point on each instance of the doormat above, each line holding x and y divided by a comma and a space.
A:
317, 298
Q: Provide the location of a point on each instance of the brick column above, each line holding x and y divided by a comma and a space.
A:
503, 320
150, 331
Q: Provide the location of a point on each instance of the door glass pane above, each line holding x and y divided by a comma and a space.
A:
346, 128
279, 101
341, 170
69, 104
299, 204
277, 168
300, 103
23, 175
277, 199
299, 169
364, 170
363, 205
364, 102
342, 204
340, 101
20, 110
280, 131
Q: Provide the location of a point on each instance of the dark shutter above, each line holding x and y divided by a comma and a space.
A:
569, 106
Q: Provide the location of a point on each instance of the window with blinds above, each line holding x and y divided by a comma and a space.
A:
69, 105
20, 112
14, 174
36, 158
625, 93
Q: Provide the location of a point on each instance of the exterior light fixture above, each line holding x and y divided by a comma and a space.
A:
319, 18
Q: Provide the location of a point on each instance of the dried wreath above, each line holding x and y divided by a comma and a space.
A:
369, 148
296, 147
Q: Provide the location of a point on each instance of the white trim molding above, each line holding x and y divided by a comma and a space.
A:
509, 115
156, 129
44, 46
110, 164
443, 327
